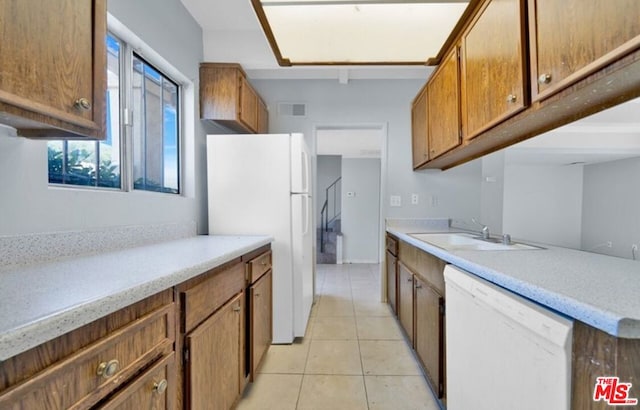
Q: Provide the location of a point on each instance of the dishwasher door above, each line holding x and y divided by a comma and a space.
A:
503, 351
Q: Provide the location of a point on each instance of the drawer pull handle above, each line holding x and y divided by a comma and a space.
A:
544, 79
160, 387
82, 104
511, 98
108, 369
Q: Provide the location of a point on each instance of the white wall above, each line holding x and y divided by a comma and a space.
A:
360, 212
359, 102
492, 195
329, 169
28, 204
611, 207
543, 203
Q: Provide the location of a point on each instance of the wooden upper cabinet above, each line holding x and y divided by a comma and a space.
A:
419, 130
493, 66
248, 105
570, 39
263, 117
53, 67
226, 97
443, 101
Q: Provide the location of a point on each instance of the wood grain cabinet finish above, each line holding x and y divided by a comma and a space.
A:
443, 101
261, 321
226, 97
570, 39
429, 332
419, 129
154, 389
89, 374
53, 67
405, 300
263, 117
493, 66
214, 367
392, 281
258, 266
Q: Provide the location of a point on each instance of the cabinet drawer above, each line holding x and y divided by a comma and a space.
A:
154, 389
84, 378
200, 301
392, 245
258, 266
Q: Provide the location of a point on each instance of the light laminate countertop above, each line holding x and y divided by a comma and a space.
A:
41, 302
599, 290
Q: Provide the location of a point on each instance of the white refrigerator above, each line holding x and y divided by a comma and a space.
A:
261, 185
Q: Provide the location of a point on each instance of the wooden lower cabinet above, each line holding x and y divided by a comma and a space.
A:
214, 364
429, 333
392, 281
260, 321
405, 300
151, 390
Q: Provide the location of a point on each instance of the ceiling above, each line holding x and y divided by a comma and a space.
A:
232, 33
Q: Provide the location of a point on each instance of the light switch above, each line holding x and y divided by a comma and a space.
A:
396, 200
414, 199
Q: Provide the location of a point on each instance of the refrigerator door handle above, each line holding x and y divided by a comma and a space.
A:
307, 215
305, 170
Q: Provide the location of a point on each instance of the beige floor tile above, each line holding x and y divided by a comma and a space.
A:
323, 392
378, 328
272, 392
371, 308
334, 328
399, 393
388, 358
334, 357
286, 358
335, 306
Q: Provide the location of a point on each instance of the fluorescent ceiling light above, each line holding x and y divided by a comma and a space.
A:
337, 32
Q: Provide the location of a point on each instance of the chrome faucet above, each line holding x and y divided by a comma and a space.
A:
485, 229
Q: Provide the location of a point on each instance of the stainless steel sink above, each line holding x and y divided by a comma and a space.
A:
469, 242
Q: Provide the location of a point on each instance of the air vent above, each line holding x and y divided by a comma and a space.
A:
292, 110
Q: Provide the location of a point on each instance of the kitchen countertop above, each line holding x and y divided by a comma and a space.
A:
43, 301
599, 290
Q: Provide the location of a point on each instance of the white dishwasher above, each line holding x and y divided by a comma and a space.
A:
503, 351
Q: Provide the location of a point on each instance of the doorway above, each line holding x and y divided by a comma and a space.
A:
348, 193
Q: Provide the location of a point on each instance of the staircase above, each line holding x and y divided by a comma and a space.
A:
327, 233
328, 251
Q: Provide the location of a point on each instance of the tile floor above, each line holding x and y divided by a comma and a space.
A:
353, 357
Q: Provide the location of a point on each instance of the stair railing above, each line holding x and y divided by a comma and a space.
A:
330, 210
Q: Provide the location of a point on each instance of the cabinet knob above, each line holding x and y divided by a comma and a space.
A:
236, 309
410, 280
257, 294
82, 104
108, 369
544, 79
160, 386
511, 98
418, 286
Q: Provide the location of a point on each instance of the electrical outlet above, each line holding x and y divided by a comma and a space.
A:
609, 244
395, 200
434, 201
414, 199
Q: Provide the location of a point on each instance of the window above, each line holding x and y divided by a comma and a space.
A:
151, 144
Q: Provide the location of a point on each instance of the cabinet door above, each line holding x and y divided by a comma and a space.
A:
405, 303
263, 117
154, 389
429, 333
492, 77
443, 96
392, 281
261, 320
248, 105
572, 38
419, 129
213, 369
53, 63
